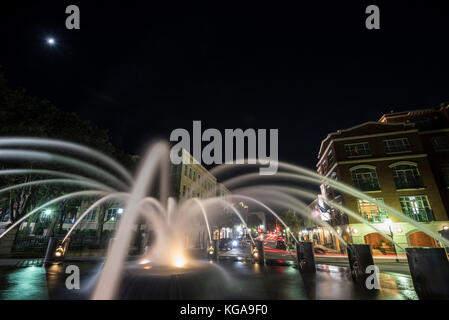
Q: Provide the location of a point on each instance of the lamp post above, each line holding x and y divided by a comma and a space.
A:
390, 223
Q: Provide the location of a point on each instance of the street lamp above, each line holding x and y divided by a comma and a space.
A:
390, 224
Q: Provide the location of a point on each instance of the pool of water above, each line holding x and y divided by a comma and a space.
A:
246, 281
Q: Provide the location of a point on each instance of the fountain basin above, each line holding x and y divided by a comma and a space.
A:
195, 280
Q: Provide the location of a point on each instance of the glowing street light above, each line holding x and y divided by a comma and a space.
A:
51, 41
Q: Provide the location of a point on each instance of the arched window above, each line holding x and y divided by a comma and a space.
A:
365, 178
406, 175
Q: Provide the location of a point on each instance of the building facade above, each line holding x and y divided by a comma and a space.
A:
401, 160
188, 179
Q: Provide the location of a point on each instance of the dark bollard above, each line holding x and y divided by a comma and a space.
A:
305, 257
212, 251
258, 252
360, 257
55, 250
429, 268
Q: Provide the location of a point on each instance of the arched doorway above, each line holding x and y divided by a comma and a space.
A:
420, 239
379, 244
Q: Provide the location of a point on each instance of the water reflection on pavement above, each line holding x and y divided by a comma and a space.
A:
279, 279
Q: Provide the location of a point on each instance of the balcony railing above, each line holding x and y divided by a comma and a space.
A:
375, 218
409, 183
422, 215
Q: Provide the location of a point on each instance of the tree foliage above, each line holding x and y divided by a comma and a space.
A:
293, 220
26, 116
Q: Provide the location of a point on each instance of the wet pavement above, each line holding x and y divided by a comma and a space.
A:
278, 279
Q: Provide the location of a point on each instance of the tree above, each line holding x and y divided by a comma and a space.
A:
293, 220
23, 115
102, 219
253, 221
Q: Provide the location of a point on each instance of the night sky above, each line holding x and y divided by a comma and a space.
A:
142, 71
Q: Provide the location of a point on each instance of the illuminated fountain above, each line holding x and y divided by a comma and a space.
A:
167, 270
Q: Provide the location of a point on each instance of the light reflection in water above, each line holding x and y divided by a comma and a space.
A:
25, 284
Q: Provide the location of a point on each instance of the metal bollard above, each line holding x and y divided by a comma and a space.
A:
429, 268
212, 251
56, 250
305, 257
360, 257
258, 252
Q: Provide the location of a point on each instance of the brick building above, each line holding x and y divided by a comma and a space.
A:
402, 160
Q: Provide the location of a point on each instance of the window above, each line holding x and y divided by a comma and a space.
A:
324, 166
417, 208
330, 156
185, 171
190, 173
113, 214
372, 212
194, 175
445, 172
183, 190
357, 149
332, 193
365, 178
396, 145
406, 176
440, 143
91, 215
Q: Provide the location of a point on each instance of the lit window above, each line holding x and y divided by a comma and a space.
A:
357, 149
372, 212
417, 208
112, 215
397, 145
